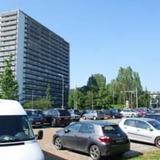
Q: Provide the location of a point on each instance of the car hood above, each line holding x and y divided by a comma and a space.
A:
28, 151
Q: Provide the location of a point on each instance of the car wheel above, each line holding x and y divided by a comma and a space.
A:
53, 122
157, 142
84, 117
94, 118
95, 152
58, 143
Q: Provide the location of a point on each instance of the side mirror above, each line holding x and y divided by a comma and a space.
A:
66, 130
40, 135
151, 129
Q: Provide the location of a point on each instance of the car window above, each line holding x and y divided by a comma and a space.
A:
74, 128
87, 128
142, 125
112, 130
155, 124
54, 113
130, 122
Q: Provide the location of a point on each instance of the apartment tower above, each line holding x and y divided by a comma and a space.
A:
39, 57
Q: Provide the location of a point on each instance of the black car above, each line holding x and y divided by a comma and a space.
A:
153, 116
35, 117
114, 113
57, 117
97, 138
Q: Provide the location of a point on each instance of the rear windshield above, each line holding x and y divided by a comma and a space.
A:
64, 113
99, 112
112, 130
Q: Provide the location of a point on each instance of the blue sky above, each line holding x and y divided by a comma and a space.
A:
103, 35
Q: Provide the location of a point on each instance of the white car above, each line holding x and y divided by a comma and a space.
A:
129, 113
142, 129
17, 141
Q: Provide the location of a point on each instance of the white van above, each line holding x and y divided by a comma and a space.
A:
17, 140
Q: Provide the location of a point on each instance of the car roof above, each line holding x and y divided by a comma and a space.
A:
98, 122
143, 119
11, 107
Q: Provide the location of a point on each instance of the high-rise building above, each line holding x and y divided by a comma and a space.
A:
39, 57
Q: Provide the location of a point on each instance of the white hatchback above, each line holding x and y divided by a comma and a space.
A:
142, 129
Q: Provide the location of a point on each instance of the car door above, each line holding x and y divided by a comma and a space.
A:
129, 127
84, 136
143, 131
70, 136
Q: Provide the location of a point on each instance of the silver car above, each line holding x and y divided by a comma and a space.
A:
142, 129
94, 114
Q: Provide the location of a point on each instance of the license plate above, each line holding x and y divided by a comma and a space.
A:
119, 140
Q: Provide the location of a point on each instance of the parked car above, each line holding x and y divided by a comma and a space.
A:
153, 116
97, 138
57, 117
129, 113
141, 111
75, 114
17, 140
115, 113
107, 114
35, 117
142, 129
93, 114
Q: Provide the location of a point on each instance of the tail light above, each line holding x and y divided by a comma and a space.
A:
105, 139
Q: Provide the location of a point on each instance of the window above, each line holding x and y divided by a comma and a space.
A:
15, 128
74, 128
87, 128
155, 124
112, 130
142, 125
130, 122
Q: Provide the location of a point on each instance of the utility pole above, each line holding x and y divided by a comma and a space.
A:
92, 100
62, 76
136, 95
136, 98
32, 99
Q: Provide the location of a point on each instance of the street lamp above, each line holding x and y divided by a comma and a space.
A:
62, 89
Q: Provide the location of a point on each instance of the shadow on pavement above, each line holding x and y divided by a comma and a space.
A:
125, 156
49, 156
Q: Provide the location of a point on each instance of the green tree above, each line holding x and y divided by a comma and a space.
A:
8, 83
42, 103
127, 82
49, 96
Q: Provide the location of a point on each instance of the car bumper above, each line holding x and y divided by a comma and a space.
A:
114, 149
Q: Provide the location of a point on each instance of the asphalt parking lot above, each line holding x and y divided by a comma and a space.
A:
52, 154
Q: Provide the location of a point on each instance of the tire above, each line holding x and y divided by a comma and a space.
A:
94, 152
157, 142
94, 118
53, 122
58, 143
84, 117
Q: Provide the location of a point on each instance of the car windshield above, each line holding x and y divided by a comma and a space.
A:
32, 113
15, 128
155, 124
64, 112
112, 130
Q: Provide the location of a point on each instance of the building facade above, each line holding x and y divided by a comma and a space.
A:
39, 57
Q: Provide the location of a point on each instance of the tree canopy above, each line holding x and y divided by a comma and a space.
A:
8, 83
98, 94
